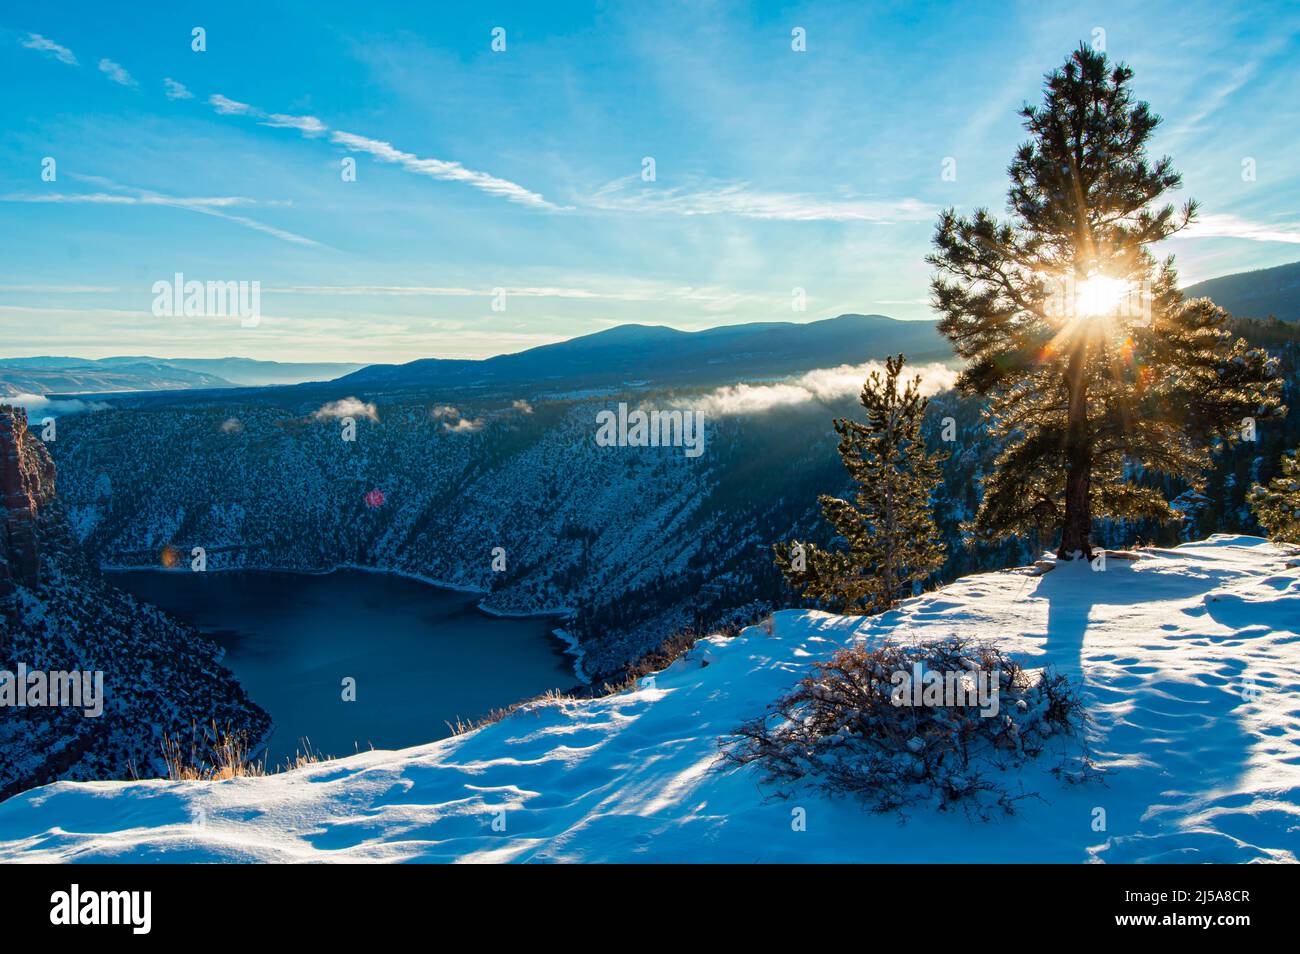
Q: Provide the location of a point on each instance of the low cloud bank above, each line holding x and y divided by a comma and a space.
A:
38, 405
822, 384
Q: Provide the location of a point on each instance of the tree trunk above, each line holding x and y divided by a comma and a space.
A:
1076, 532
891, 546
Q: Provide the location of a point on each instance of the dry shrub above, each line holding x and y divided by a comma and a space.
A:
841, 729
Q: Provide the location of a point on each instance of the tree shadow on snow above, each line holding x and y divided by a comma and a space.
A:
1166, 723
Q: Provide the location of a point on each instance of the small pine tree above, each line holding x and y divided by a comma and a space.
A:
889, 526
1277, 506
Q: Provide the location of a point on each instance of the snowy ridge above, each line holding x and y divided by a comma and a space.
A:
1199, 770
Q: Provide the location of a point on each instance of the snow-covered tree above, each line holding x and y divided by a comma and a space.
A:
888, 527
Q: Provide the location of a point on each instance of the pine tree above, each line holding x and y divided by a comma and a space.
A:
888, 526
1277, 506
1098, 370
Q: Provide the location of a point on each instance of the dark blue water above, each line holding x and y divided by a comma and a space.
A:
421, 656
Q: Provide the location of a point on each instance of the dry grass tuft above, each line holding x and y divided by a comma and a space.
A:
216, 754
551, 696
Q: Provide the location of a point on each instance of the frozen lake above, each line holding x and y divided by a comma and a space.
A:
421, 656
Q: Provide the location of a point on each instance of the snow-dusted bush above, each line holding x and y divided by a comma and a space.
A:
854, 726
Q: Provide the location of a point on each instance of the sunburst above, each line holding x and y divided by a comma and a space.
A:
1100, 297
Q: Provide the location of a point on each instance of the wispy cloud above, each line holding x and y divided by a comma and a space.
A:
175, 90
1241, 70
62, 289
454, 291
307, 125
1232, 226
624, 195
35, 41
107, 198
282, 234
116, 73
229, 107
26, 311
823, 384
442, 169
615, 289
129, 195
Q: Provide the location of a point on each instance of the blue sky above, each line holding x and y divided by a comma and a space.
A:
522, 169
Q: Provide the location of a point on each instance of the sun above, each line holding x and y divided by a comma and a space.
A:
1099, 296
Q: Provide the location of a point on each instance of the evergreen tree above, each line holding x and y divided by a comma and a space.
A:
888, 526
1277, 506
1098, 370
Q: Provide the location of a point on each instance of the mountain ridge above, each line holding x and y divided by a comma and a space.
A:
667, 355
57, 374
1254, 294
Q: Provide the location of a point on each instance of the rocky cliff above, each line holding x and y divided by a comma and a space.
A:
91, 680
26, 483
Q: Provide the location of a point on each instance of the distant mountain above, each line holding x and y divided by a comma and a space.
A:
62, 375
664, 356
247, 372
1257, 294
80, 376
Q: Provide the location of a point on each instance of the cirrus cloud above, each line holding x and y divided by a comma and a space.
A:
228, 107
442, 169
116, 73
35, 41
741, 200
1232, 226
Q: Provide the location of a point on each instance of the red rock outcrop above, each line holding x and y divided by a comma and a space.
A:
26, 484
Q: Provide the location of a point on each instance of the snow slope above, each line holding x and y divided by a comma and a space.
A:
1191, 657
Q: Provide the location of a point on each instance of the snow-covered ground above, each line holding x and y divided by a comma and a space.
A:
1191, 658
